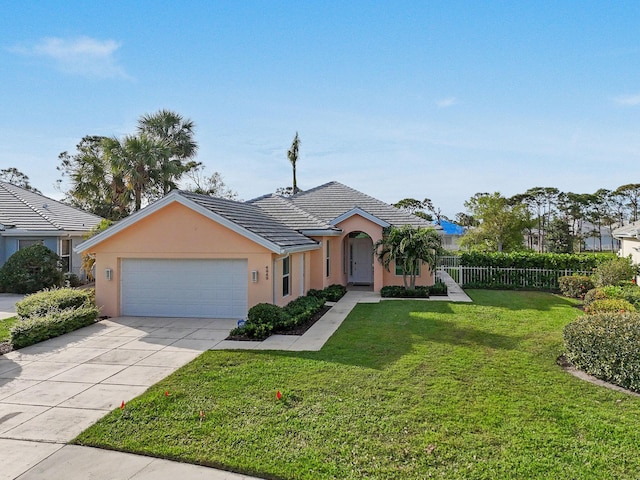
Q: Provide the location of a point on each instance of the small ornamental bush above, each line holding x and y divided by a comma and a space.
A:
605, 345
394, 291
438, 288
42, 303
334, 292
574, 286
612, 305
614, 271
31, 269
71, 280
53, 324
301, 310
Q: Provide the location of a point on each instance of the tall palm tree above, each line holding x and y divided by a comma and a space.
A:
293, 158
177, 135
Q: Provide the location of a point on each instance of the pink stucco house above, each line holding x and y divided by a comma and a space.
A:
193, 255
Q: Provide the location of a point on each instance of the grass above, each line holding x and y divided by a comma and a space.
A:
404, 389
5, 328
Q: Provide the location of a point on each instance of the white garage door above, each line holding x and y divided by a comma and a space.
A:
184, 288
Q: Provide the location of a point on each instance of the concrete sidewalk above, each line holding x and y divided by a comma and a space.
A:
8, 304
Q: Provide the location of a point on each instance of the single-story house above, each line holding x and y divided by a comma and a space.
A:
629, 237
27, 218
198, 256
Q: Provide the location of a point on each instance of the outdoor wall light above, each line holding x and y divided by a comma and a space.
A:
108, 273
254, 276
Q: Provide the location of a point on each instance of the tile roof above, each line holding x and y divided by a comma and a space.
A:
27, 210
628, 231
327, 202
286, 212
252, 218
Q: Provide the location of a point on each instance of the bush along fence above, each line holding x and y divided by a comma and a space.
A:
517, 270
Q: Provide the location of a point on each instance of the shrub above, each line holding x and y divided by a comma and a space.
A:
31, 269
609, 305
262, 320
53, 324
394, 291
42, 303
614, 271
631, 294
301, 310
438, 288
594, 294
315, 293
575, 286
71, 280
334, 292
606, 345
550, 261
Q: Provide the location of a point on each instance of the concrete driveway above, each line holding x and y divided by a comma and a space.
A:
52, 391
8, 304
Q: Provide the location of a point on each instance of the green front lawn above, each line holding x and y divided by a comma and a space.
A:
5, 328
403, 390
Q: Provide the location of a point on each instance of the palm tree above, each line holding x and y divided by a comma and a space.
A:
409, 247
293, 158
177, 134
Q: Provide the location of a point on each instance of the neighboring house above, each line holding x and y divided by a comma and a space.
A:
598, 238
27, 218
629, 237
199, 256
452, 233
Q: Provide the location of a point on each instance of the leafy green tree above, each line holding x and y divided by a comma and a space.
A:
212, 185
415, 207
630, 193
501, 224
559, 238
15, 177
292, 154
409, 247
95, 184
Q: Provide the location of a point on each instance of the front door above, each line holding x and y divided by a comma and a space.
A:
360, 261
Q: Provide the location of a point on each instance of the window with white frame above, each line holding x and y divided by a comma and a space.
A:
328, 259
286, 276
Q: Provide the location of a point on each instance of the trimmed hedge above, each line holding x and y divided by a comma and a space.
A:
630, 293
605, 345
264, 319
394, 291
574, 286
53, 324
609, 305
550, 261
332, 293
41, 303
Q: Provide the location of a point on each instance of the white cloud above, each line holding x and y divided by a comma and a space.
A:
80, 56
627, 100
447, 102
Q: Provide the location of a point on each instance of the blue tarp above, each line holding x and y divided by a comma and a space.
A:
450, 228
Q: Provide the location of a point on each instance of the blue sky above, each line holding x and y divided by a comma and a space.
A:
397, 99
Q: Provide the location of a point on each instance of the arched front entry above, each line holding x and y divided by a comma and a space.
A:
359, 259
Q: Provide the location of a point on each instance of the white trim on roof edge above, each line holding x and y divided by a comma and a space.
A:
363, 214
175, 196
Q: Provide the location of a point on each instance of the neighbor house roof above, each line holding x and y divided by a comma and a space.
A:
628, 231
22, 209
329, 202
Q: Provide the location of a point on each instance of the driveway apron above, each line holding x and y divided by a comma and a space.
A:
52, 391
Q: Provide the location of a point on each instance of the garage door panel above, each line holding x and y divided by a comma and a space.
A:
184, 288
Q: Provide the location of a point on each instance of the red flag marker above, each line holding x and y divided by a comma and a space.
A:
278, 395
122, 405
166, 393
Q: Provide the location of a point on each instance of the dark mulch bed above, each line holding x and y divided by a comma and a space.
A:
299, 330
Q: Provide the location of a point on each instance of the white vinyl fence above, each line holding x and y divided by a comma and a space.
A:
498, 277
